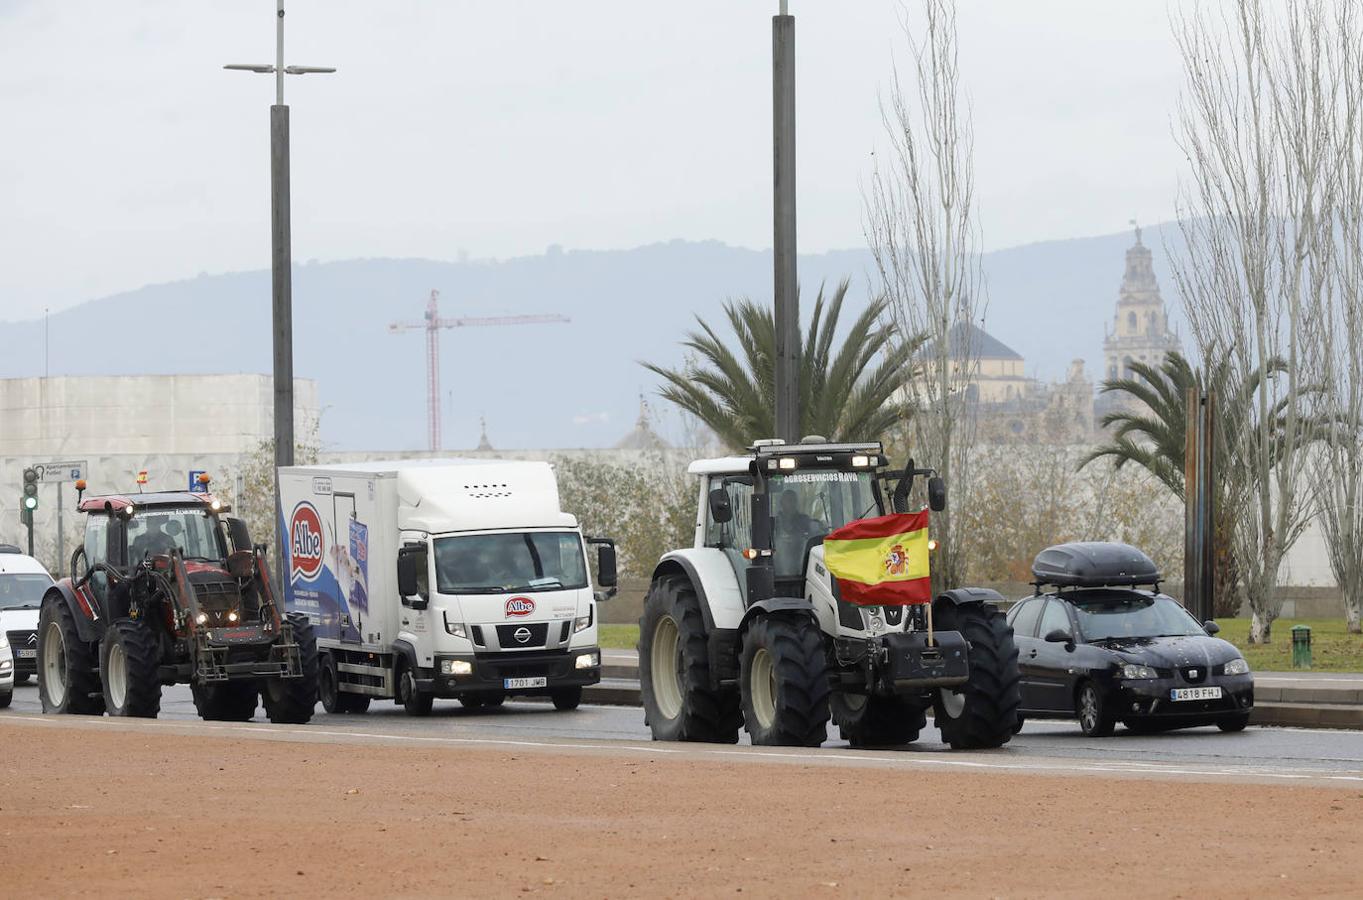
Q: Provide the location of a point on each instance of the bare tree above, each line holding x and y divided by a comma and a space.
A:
1254, 123
1341, 345
921, 227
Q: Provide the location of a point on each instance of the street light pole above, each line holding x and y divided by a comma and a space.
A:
281, 255
785, 295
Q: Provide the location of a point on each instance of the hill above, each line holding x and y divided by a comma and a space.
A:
574, 385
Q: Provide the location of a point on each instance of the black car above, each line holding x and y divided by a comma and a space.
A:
1100, 643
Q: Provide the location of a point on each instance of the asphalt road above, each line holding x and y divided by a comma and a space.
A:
1276, 755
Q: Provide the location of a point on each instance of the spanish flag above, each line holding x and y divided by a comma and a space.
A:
881, 561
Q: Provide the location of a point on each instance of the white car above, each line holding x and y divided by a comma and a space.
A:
23, 581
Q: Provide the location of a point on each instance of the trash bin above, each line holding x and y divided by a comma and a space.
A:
1301, 646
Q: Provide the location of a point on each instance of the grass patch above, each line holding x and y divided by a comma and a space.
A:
618, 637
1333, 649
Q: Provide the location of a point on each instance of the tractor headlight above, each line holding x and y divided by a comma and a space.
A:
455, 628
860, 462
232, 616
128, 510
1237, 667
1132, 672
587, 661
201, 618
787, 462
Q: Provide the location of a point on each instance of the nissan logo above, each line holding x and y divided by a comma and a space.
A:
522, 634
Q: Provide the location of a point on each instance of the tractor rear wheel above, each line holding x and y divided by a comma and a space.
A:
983, 712
783, 675
674, 670
128, 666
291, 701
872, 721
226, 701
68, 675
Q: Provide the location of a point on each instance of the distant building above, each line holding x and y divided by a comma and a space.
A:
642, 436
1140, 326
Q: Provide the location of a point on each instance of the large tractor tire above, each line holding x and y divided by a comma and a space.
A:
871, 721
783, 678
291, 701
68, 674
227, 701
129, 663
983, 712
674, 670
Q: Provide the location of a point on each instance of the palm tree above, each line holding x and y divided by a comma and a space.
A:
847, 394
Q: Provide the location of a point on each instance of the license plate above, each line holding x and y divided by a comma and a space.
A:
512, 684
28, 654
1202, 693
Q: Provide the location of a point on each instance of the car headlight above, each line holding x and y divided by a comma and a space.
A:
1237, 667
455, 628
1133, 672
7, 664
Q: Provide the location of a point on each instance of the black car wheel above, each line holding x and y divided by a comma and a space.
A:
1094, 718
1233, 723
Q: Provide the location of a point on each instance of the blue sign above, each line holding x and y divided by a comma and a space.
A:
195, 485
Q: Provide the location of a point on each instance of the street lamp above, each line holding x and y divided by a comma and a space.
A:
786, 299
282, 261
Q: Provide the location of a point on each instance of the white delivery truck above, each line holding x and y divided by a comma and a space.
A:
453, 578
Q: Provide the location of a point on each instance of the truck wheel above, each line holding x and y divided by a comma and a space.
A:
68, 677
327, 691
226, 701
674, 670
983, 712
566, 699
783, 675
414, 701
291, 701
128, 664
1095, 719
872, 721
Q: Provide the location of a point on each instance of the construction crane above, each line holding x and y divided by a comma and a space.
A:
432, 323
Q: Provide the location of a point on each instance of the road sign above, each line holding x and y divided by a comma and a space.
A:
61, 470
195, 485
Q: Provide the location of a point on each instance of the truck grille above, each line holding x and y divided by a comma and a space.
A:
507, 639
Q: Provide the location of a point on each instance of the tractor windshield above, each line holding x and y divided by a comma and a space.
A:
155, 531
807, 504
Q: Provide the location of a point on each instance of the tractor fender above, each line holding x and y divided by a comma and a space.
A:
713, 579
947, 602
775, 605
89, 629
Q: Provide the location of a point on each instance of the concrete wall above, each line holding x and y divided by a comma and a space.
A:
70, 417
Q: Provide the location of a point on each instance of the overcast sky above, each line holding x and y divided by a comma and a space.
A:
128, 156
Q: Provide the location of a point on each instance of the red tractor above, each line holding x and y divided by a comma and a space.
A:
167, 589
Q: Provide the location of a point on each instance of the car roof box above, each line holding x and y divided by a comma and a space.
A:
1094, 564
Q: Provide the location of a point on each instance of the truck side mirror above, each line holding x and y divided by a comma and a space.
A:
937, 494
721, 510
606, 575
238, 534
412, 577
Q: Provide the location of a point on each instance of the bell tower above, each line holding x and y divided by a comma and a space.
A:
1140, 328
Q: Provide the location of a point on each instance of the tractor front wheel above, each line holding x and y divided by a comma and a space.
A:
291, 701
128, 666
784, 682
983, 712
228, 701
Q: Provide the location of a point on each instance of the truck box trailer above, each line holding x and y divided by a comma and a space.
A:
452, 578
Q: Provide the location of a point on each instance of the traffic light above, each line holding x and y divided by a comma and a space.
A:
30, 490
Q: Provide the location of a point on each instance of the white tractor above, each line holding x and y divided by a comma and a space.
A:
747, 627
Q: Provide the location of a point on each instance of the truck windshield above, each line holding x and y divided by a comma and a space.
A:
156, 531
500, 563
810, 503
23, 590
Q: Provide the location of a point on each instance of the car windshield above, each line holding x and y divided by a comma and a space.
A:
1133, 616
500, 563
155, 531
809, 504
23, 590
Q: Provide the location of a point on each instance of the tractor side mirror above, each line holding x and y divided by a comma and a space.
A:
80, 566
937, 494
412, 581
1059, 636
238, 534
721, 509
1211, 627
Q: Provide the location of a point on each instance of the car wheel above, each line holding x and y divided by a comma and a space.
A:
1233, 723
1094, 718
